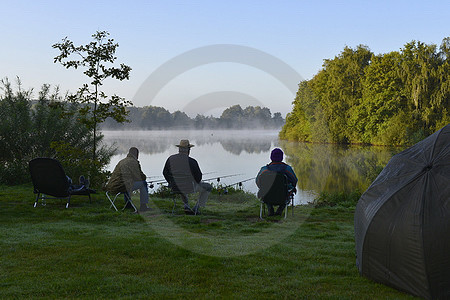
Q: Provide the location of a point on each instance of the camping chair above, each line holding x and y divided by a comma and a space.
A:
183, 187
49, 179
274, 189
127, 198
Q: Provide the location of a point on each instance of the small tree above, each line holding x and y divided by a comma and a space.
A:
97, 58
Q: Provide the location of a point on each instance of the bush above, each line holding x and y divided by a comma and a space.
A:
342, 199
48, 127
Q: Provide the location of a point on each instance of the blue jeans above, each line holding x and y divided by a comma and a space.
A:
143, 191
204, 189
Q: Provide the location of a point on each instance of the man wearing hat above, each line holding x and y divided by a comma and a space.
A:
277, 165
184, 176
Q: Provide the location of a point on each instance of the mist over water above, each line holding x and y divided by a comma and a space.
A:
242, 153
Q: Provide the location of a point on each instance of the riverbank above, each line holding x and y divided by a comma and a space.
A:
90, 251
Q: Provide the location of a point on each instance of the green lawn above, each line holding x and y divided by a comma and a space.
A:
90, 251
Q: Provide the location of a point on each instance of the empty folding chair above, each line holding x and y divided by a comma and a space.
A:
49, 179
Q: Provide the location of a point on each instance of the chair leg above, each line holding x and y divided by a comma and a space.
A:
68, 201
37, 199
197, 207
174, 198
292, 205
128, 197
112, 201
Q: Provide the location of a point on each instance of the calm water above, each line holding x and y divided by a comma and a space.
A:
242, 153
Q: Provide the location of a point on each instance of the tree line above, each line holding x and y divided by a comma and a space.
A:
396, 98
234, 117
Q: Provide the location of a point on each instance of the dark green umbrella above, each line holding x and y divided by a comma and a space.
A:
402, 221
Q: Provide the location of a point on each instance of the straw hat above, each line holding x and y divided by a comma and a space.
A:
184, 144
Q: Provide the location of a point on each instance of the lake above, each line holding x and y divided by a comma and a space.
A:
237, 155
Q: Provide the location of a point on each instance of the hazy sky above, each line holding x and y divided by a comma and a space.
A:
201, 56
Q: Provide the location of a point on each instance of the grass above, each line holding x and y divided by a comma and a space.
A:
90, 251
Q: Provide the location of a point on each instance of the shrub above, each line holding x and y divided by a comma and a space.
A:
342, 199
48, 127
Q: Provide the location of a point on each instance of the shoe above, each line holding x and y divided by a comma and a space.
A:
143, 208
84, 181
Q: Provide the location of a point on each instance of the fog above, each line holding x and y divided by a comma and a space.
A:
159, 141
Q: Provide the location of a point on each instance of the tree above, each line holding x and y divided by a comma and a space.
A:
338, 87
397, 98
382, 98
232, 117
97, 59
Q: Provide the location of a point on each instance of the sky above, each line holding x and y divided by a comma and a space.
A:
204, 56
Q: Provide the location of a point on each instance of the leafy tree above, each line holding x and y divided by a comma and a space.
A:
307, 121
232, 116
277, 119
396, 98
181, 119
382, 97
155, 117
441, 99
339, 87
97, 59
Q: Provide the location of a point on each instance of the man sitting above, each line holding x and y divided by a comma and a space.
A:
184, 176
128, 176
280, 167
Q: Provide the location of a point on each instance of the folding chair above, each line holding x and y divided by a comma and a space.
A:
274, 190
183, 187
49, 179
127, 198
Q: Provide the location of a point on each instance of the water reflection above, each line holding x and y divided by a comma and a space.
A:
335, 168
157, 141
318, 167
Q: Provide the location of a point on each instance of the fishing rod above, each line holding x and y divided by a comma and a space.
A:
161, 181
218, 177
154, 176
160, 176
238, 184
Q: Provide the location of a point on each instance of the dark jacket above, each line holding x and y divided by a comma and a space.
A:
125, 174
279, 167
181, 171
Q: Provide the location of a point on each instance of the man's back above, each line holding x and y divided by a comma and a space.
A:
279, 167
181, 171
127, 171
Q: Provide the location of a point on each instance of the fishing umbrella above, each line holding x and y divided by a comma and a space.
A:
402, 221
